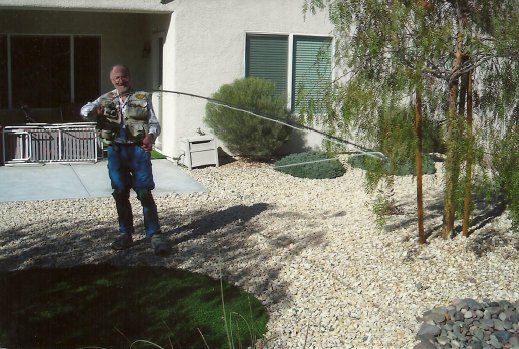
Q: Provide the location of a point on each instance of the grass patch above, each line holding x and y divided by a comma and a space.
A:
156, 155
92, 305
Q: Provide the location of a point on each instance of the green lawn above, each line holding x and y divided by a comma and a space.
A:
156, 155
92, 306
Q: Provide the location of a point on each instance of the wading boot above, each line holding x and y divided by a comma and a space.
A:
122, 242
159, 244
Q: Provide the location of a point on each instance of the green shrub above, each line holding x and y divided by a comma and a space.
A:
312, 164
244, 134
396, 137
400, 168
505, 162
392, 133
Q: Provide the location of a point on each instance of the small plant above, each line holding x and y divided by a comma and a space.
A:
381, 207
245, 134
312, 164
385, 204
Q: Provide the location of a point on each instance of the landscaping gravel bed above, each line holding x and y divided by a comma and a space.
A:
467, 323
311, 250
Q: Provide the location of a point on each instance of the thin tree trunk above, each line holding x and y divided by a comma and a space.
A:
467, 199
419, 167
452, 159
463, 90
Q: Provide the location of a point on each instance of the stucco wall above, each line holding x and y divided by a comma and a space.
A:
123, 36
146, 6
205, 48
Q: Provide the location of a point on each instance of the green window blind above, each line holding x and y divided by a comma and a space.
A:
267, 58
312, 70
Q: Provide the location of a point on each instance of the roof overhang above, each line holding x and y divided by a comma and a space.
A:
125, 6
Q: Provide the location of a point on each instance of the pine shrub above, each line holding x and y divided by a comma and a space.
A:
245, 134
312, 164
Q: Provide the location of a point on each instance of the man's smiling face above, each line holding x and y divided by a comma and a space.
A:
120, 78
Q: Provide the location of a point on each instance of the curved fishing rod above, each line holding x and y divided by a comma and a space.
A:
289, 123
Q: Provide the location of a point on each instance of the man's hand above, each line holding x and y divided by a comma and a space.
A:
99, 111
147, 142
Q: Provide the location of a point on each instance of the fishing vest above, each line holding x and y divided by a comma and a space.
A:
136, 117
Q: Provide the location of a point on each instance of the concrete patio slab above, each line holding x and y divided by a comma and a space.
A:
72, 181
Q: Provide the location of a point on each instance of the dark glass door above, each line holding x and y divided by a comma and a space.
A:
40, 71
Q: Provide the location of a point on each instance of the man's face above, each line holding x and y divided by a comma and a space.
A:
120, 78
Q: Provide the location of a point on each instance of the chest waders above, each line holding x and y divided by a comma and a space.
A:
123, 127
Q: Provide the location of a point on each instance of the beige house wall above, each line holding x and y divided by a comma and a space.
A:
127, 6
123, 36
204, 44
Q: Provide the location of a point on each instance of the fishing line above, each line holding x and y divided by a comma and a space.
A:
289, 123
305, 163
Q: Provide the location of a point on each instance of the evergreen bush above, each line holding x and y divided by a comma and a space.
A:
398, 168
244, 134
312, 164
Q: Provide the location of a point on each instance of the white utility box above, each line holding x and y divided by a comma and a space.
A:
199, 151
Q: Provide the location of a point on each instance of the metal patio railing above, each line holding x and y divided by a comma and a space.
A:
70, 142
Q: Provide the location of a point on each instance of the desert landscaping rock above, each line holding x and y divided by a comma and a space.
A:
311, 250
474, 331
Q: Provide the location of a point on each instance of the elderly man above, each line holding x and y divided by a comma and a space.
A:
127, 123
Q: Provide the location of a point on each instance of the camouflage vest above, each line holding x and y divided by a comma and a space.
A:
136, 117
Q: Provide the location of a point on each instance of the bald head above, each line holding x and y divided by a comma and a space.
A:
120, 78
120, 68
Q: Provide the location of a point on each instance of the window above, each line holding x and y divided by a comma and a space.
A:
160, 63
267, 58
87, 60
3, 72
312, 70
307, 75
47, 71
40, 68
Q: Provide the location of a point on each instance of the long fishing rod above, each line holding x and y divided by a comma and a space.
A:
289, 123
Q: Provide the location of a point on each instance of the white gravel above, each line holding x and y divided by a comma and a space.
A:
309, 249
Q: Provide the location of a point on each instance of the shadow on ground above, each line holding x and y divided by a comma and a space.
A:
483, 214
228, 242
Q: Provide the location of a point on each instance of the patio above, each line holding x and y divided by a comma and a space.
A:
71, 181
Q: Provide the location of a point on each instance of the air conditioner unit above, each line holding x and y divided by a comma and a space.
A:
199, 151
